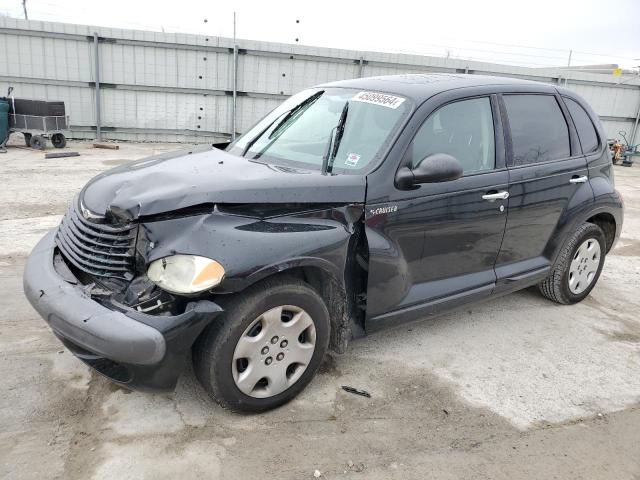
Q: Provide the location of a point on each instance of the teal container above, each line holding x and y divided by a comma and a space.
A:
4, 120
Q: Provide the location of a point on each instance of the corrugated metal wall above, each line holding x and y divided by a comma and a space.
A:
178, 88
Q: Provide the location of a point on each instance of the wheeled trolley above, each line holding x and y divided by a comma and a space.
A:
36, 129
38, 120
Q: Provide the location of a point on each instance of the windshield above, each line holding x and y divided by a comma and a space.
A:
300, 132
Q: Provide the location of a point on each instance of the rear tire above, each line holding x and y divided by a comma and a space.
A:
38, 142
253, 372
58, 140
578, 266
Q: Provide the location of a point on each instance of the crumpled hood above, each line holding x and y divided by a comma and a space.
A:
183, 179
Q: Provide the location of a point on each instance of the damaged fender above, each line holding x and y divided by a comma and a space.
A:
317, 241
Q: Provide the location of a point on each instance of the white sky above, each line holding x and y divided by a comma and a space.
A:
533, 33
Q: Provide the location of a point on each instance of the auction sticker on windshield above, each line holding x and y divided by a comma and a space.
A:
352, 160
382, 99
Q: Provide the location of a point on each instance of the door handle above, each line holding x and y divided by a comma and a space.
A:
502, 195
581, 179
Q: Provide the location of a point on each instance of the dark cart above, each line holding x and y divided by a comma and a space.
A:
36, 129
38, 120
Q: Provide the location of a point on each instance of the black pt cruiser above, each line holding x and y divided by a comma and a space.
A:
354, 205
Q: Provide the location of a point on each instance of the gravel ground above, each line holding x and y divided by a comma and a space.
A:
516, 387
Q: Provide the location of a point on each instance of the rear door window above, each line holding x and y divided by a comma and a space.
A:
539, 132
584, 125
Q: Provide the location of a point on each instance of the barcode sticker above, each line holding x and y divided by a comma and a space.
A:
382, 99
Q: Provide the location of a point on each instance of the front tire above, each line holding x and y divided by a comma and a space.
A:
266, 347
578, 266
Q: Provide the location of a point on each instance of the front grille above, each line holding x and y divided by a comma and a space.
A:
98, 249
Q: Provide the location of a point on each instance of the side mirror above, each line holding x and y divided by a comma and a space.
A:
435, 168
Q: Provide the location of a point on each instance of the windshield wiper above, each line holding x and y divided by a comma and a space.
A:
287, 121
251, 142
334, 141
287, 115
302, 105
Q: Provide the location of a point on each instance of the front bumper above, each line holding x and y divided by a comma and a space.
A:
140, 351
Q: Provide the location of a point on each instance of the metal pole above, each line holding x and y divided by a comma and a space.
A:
24, 7
635, 126
96, 75
235, 80
566, 77
361, 69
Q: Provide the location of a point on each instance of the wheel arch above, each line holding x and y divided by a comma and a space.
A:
608, 216
607, 222
324, 277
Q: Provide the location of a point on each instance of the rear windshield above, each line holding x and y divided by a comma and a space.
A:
298, 132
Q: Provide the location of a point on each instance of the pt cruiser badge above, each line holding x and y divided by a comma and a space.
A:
381, 210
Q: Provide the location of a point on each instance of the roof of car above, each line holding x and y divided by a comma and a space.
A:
421, 86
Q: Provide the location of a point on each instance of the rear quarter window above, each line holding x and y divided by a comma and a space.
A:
539, 132
586, 131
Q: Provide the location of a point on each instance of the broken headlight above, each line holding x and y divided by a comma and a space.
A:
185, 273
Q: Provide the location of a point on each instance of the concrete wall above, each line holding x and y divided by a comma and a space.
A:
177, 87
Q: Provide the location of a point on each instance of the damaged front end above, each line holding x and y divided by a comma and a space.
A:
132, 347
240, 221
87, 281
88, 278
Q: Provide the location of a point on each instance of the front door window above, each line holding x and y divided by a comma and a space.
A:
463, 129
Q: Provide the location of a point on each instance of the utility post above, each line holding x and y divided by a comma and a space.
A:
235, 81
566, 75
96, 78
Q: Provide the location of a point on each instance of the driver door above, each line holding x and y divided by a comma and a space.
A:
438, 248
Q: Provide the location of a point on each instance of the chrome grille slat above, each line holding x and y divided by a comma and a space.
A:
83, 263
103, 227
92, 231
98, 249
88, 255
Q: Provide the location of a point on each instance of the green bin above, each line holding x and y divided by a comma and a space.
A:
4, 119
